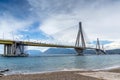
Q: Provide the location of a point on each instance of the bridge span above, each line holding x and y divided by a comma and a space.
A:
17, 48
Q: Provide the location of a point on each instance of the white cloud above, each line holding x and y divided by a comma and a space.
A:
59, 19
113, 45
10, 25
100, 18
37, 48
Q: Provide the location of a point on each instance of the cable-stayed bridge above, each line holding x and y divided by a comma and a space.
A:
17, 48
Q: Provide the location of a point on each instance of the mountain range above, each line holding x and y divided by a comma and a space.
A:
67, 51
60, 51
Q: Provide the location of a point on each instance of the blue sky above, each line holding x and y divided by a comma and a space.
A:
56, 21
17, 8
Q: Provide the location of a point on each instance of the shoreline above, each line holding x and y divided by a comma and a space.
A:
67, 75
72, 69
61, 75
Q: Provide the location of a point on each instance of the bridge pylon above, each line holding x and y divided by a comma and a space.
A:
98, 48
80, 37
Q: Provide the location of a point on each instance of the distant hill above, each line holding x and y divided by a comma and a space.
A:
72, 51
114, 51
67, 51
60, 51
34, 52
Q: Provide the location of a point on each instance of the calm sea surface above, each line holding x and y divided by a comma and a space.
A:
58, 63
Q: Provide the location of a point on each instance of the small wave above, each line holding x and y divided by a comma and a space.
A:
108, 68
74, 69
112, 67
65, 69
41, 72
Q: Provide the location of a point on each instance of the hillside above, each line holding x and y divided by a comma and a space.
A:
60, 51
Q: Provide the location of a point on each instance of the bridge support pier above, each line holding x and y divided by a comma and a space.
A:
79, 51
15, 49
7, 49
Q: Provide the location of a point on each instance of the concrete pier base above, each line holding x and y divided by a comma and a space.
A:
15, 49
79, 51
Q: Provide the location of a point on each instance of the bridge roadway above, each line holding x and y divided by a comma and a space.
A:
39, 44
28, 43
16, 48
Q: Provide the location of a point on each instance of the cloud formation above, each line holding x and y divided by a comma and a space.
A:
58, 19
10, 26
100, 18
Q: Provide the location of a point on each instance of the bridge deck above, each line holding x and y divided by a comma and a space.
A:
26, 43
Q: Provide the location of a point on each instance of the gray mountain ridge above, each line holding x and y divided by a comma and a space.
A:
67, 51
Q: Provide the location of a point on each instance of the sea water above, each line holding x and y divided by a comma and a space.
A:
20, 65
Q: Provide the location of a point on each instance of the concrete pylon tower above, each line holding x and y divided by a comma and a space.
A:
80, 37
98, 44
98, 48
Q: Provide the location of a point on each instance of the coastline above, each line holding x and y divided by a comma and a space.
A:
67, 75
111, 69
62, 75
